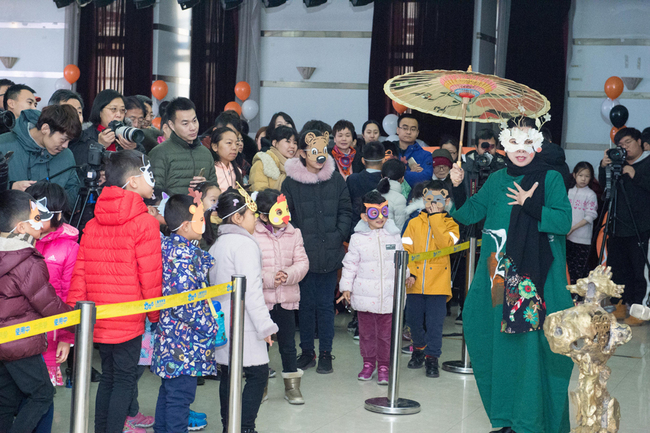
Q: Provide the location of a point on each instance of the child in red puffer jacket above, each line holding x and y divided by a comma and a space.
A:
58, 244
284, 265
119, 261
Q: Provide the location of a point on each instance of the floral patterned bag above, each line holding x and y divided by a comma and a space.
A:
523, 308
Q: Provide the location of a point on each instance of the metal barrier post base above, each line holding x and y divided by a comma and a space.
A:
403, 406
457, 367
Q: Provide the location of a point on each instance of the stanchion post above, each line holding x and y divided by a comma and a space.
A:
393, 405
236, 352
464, 366
83, 354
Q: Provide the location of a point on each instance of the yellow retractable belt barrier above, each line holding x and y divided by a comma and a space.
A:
420, 257
47, 324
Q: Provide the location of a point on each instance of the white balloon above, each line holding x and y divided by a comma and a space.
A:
606, 107
390, 124
392, 137
61, 83
249, 109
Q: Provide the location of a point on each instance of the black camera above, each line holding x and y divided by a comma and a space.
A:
96, 155
7, 119
483, 161
127, 132
617, 155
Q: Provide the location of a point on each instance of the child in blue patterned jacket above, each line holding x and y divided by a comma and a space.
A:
184, 341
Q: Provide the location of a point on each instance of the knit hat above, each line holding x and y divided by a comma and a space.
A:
442, 157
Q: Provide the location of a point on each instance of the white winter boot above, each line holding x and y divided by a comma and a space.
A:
292, 387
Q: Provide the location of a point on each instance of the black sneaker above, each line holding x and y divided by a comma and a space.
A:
95, 376
325, 363
417, 359
353, 324
431, 366
459, 319
307, 359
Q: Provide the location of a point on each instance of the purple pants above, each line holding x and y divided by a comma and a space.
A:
374, 337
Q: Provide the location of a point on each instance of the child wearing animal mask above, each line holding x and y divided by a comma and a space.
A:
238, 252
284, 265
320, 207
520, 278
368, 280
184, 341
429, 286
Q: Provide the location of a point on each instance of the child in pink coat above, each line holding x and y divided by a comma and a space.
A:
58, 244
367, 280
284, 265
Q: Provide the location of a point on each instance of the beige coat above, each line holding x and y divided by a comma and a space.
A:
267, 170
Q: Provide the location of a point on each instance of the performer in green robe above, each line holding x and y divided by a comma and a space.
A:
523, 385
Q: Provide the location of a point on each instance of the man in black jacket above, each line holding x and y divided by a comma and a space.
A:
627, 246
366, 180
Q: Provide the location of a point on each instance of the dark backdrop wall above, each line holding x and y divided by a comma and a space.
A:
115, 50
213, 64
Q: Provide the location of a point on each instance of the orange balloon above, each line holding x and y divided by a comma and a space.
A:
614, 130
242, 90
399, 107
159, 89
71, 73
234, 106
614, 87
156, 122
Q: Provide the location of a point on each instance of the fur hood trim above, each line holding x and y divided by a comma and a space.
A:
298, 172
270, 166
416, 205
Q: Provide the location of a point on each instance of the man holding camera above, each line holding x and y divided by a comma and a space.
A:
40, 145
482, 162
627, 245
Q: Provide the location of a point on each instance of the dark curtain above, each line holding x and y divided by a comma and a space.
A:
412, 36
115, 50
213, 65
537, 52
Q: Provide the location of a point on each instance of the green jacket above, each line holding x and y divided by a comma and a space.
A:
175, 163
32, 162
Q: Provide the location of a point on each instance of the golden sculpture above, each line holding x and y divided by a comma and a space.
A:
589, 335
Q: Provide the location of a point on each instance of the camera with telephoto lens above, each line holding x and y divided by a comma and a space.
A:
7, 119
127, 132
618, 156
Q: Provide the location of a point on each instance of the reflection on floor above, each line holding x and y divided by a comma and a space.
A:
334, 402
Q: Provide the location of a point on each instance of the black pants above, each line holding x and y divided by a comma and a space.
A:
24, 381
135, 405
286, 321
119, 378
577, 257
256, 379
628, 265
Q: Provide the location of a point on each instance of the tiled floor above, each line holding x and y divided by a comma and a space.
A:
335, 402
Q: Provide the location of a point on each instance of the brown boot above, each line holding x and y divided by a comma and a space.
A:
292, 387
621, 311
633, 321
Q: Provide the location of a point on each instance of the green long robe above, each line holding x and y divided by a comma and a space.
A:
522, 383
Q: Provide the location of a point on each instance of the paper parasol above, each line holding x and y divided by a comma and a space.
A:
470, 96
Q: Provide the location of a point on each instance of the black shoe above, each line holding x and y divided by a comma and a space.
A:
95, 376
353, 324
200, 381
431, 366
325, 363
307, 359
417, 359
459, 319
356, 334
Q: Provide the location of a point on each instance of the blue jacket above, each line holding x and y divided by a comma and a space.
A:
422, 157
184, 341
31, 162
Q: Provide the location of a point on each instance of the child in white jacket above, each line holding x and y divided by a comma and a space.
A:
367, 280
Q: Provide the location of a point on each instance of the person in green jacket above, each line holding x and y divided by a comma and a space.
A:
182, 161
39, 141
520, 278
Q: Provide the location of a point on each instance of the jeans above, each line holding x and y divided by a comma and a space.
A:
135, 406
317, 303
119, 378
628, 265
26, 392
173, 407
286, 321
45, 424
374, 337
433, 309
256, 379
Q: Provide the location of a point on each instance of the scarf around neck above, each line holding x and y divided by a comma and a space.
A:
343, 160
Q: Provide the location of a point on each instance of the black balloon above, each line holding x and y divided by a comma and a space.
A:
618, 115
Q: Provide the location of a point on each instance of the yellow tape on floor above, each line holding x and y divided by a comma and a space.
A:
420, 257
47, 324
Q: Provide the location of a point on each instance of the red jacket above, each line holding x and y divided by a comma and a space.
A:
119, 261
25, 295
